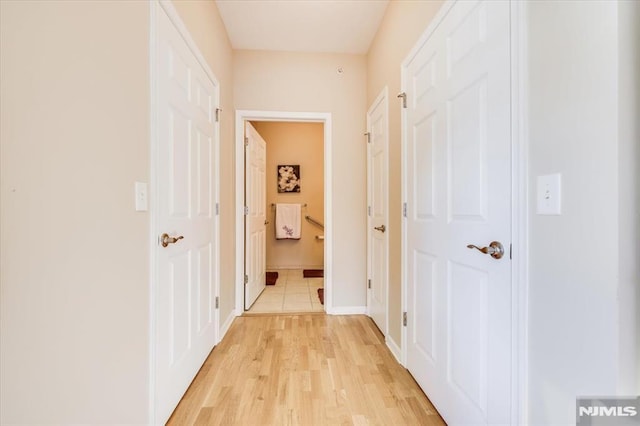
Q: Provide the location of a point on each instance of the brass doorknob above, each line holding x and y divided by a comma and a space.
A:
380, 228
165, 239
495, 249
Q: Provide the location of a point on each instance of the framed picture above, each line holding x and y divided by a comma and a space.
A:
289, 178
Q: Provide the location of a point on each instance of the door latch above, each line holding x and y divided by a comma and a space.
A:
495, 249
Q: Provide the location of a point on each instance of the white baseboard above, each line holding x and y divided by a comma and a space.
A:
348, 310
394, 348
226, 324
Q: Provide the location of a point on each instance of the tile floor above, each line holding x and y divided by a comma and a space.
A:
292, 293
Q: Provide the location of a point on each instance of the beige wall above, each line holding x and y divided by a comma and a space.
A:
205, 25
303, 144
74, 282
403, 23
280, 81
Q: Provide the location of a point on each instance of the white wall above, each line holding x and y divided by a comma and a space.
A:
578, 279
300, 82
629, 200
74, 284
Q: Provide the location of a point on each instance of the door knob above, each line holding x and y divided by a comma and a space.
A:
165, 239
380, 228
495, 249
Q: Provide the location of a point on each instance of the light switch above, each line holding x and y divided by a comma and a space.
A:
142, 196
549, 194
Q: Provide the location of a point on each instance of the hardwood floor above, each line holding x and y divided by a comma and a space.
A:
310, 369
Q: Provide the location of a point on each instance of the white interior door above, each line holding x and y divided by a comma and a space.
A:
458, 192
377, 195
256, 217
186, 269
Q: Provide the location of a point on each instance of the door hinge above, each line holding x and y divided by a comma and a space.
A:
404, 209
369, 210
217, 302
246, 210
246, 141
218, 111
369, 284
217, 209
403, 95
404, 319
368, 135
246, 279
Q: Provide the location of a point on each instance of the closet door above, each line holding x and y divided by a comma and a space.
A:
458, 191
378, 211
186, 225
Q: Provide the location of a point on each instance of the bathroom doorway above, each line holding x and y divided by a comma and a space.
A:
290, 266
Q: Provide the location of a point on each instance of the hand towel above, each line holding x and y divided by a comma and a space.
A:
288, 221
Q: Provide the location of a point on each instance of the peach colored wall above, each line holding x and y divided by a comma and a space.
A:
403, 23
303, 144
309, 82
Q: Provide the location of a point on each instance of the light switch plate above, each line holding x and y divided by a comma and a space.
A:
142, 196
549, 195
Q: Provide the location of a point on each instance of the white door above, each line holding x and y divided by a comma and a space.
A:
377, 195
256, 217
458, 191
186, 269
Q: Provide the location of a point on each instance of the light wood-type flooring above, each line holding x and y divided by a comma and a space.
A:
310, 369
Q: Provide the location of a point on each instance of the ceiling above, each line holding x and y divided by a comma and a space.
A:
338, 26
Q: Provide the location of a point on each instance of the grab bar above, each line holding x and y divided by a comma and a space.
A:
315, 222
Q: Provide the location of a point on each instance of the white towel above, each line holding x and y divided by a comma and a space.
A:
288, 221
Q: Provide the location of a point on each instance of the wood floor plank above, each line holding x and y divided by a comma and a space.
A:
303, 369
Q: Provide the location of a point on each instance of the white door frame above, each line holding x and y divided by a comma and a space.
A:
155, 7
300, 117
519, 203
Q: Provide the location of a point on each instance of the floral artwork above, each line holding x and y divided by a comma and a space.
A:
289, 178
288, 230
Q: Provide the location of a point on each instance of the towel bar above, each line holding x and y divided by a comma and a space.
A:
273, 205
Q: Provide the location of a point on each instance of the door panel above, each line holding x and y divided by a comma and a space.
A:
423, 338
256, 199
467, 152
458, 192
206, 295
185, 322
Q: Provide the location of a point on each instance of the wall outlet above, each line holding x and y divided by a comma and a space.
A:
549, 195
142, 196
